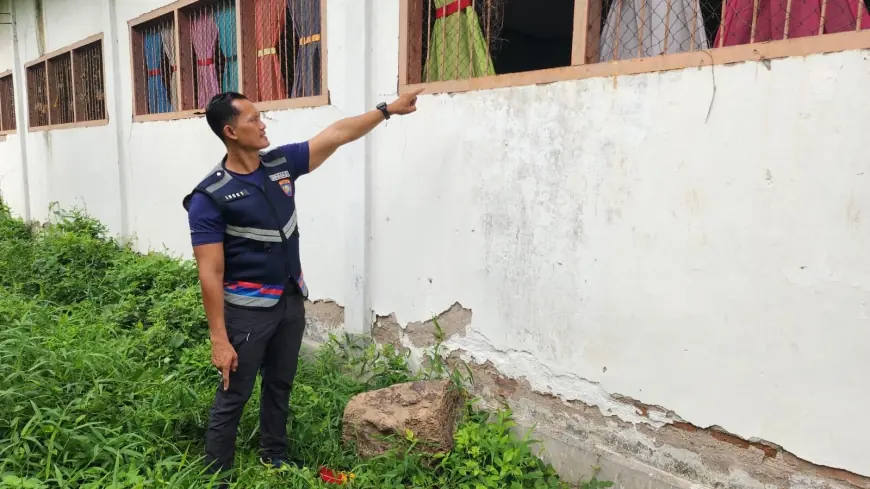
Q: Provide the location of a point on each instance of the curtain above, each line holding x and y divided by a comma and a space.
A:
269, 20
803, 20
204, 34
457, 46
226, 23
641, 28
157, 98
306, 23
168, 38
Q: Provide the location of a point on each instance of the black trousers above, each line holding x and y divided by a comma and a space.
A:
266, 341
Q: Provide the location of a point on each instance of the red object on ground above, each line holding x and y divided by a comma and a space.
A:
330, 476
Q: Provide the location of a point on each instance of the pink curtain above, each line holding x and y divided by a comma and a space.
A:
803, 20
204, 34
269, 24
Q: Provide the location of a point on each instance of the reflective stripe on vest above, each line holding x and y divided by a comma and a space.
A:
266, 235
275, 162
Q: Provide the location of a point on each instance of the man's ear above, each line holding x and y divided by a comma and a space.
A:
229, 132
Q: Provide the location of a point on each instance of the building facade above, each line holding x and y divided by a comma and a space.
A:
644, 225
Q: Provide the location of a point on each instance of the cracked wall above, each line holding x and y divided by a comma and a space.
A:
615, 243
635, 443
708, 456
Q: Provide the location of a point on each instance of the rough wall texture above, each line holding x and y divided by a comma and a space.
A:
665, 452
451, 322
323, 318
707, 456
695, 239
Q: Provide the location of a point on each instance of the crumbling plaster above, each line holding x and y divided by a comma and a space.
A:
613, 239
608, 426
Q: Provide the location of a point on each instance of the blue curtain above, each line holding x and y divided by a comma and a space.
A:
226, 22
158, 99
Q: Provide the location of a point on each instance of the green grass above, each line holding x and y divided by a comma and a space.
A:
105, 383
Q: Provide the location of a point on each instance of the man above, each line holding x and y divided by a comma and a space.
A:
243, 225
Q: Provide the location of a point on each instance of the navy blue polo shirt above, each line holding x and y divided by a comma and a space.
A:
204, 217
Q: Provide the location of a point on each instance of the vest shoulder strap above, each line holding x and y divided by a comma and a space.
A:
272, 159
214, 180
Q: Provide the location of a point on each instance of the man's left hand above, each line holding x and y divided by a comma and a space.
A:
405, 104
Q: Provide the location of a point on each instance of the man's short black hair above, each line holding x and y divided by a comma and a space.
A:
220, 111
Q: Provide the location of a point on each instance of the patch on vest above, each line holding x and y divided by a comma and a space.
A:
287, 187
278, 176
236, 195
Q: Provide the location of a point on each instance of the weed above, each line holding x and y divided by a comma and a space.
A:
105, 383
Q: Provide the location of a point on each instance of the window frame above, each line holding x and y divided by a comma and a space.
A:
175, 9
584, 53
3, 132
44, 60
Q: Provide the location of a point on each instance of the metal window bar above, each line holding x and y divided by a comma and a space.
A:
89, 88
7, 104
37, 97
60, 90
291, 40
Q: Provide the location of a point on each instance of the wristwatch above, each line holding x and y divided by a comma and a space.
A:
383, 108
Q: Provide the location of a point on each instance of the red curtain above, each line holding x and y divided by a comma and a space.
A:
269, 19
803, 20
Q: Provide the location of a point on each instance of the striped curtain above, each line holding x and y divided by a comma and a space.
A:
226, 22
306, 23
204, 33
168, 37
269, 23
158, 101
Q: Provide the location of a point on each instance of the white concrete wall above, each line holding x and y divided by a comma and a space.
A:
719, 269
73, 167
11, 183
608, 239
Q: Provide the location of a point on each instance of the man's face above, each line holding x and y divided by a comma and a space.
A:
247, 130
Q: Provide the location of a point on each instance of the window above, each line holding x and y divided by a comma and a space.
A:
155, 66
187, 52
65, 88
90, 102
457, 45
462, 39
7, 104
37, 98
60, 97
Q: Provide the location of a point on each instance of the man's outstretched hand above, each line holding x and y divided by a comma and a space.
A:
405, 104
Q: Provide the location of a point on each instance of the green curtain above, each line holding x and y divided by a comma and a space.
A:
457, 47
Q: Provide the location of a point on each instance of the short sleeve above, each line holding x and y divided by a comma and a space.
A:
206, 223
297, 155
